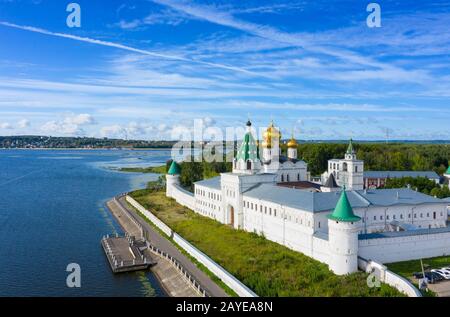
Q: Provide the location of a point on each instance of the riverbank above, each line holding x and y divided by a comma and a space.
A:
151, 169
175, 273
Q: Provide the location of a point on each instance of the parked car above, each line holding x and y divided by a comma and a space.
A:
444, 274
432, 277
446, 269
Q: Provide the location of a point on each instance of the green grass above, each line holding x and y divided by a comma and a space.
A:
408, 268
266, 267
151, 169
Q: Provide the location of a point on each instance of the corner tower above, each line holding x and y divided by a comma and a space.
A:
343, 230
447, 175
172, 177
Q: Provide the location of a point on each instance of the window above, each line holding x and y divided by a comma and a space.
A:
387, 217
287, 178
249, 165
319, 224
381, 217
298, 177
356, 169
401, 216
345, 167
374, 217
395, 217
282, 177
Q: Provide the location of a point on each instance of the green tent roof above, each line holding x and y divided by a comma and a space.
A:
350, 149
248, 150
174, 169
343, 211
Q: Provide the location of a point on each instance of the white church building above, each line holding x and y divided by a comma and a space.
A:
334, 222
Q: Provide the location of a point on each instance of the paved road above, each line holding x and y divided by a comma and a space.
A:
165, 245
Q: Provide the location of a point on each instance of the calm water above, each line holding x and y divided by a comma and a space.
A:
52, 213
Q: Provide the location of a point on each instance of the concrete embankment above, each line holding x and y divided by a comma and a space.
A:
172, 277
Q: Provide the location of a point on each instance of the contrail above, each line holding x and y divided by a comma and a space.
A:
125, 47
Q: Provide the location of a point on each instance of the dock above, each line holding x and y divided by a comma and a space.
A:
126, 254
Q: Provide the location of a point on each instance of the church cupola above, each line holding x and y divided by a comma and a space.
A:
292, 148
247, 158
271, 144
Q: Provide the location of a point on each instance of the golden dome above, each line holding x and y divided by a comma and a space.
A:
292, 143
270, 134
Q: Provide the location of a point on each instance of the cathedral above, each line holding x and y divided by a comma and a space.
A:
336, 220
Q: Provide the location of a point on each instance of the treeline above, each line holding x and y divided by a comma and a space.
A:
192, 172
421, 184
380, 157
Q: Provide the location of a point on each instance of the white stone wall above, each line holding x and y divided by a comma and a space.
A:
208, 202
183, 197
388, 277
405, 248
377, 219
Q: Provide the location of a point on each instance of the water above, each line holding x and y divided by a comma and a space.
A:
52, 213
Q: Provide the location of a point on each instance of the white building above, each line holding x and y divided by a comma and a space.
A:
330, 224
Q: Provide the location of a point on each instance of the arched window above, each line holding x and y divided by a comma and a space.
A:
282, 177
298, 177
287, 178
249, 165
345, 169
356, 169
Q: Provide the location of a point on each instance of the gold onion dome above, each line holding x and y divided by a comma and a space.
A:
292, 143
270, 134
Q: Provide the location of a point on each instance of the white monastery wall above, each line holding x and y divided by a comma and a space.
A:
377, 219
404, 248
389, 277
183, 197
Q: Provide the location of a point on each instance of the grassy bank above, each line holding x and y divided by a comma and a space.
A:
150, 169
266, 267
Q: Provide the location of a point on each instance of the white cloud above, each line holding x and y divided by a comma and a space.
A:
71, 124
22, 124
6, 126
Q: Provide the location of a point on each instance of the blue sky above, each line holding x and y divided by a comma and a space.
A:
146, 69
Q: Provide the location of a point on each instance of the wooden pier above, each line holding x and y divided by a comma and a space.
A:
125, 254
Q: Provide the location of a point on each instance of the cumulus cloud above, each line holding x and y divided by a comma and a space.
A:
22, 124
71, 124
6, 126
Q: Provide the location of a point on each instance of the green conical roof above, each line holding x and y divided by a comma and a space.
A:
174, 169
350, 149
343, 211
248, 149
448, 171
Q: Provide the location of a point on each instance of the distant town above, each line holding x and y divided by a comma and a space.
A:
49, 142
